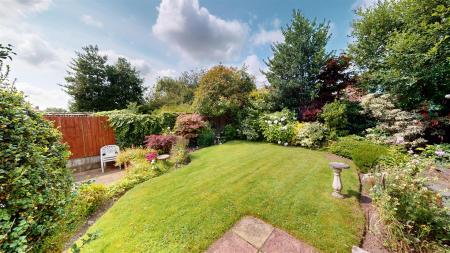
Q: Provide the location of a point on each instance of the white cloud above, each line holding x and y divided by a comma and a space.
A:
254, 67
91, 21
22, 7
43, 97
268, 37
197, 34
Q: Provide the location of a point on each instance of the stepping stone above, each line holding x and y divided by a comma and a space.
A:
281, 242
253, 230
231, 243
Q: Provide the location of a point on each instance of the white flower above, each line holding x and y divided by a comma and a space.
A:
276, 121
283, 119
440, 152
153, 161
279, 142
285, 144
270, 122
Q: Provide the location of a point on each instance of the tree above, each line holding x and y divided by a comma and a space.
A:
5, 54
125, 86
222, 91
403, 48
97, 86
293, 70
175, 91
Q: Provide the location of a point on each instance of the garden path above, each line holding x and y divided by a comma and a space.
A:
110, 176
252, 235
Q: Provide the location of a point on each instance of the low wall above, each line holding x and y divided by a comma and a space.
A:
85, 163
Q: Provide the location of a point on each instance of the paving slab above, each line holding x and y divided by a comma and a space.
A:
254, 235
253, 230
281, 242
231, 243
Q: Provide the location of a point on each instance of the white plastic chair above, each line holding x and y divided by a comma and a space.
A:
108, 154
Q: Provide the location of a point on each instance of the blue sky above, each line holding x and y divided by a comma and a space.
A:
159, 37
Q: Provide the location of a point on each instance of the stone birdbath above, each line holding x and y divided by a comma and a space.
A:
337, 184
163, 157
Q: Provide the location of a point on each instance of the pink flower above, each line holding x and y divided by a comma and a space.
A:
151, 156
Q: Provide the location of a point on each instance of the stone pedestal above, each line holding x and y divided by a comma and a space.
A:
337, 184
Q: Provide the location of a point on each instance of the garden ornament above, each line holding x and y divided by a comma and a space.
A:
337, 184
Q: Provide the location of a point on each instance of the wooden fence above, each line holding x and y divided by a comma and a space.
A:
84, 133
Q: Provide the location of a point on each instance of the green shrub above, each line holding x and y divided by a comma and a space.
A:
277, 127
131, 128
179, 154
344, 117
206, 137
229, 132
89, 197
364, 154
309, 135
34, 181
131, 154
414, 217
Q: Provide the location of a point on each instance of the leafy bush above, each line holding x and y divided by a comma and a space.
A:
131, 154
189, 125
259, 103
229, 132
206, 137
161, 143
394, 126
344, 117
179, 154
364, 154
223, 90
277, 127
414, 217
34, 181
89, 196
131, 128
309, 135
439, 153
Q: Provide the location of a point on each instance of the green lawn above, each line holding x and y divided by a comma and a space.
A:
188, 209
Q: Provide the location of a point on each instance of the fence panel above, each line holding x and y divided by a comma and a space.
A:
84, 133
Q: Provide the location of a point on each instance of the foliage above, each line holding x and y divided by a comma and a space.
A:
344, 117
6, 52
89, 197
55, 109
403, 48
34, 182
171, 92
205, 137
259, 103
179, 154
293, 70
413, 214
394, 126
364, 154
223, 91
161, 143
150, 157
439, 153
96, 86
181, 108
131, 128
333, 77
131, 154
309, 135
189, 125
277, 127
229, 132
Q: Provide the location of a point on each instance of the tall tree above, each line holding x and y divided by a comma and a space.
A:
403, 47
293, 70
125, 86
222, 91
96, 86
